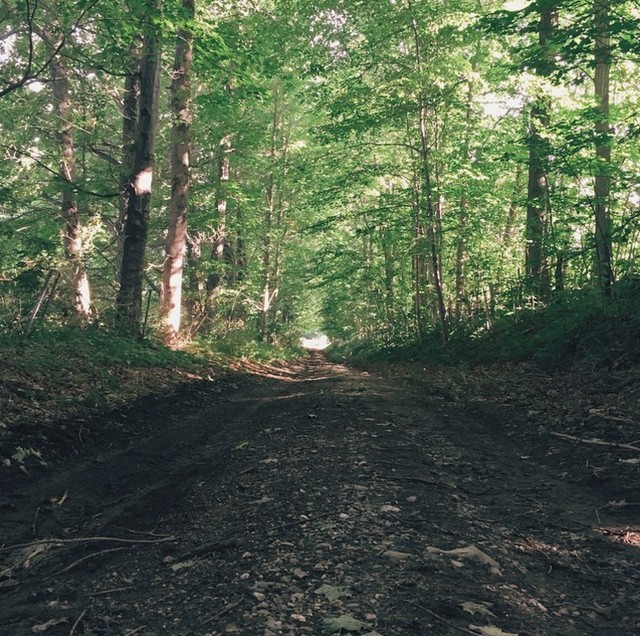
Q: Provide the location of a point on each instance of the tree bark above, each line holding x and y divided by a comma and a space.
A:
71, 232
428, 206
602, 54
129, 300
131, 94
178, 206
220, 239
536, 266
266, 296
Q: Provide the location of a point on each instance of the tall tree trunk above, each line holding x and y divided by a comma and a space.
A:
130, 98
220, 239
418, 267
129, 300
268, 219
427, 199
463, 213
430, 208
180, 150
536, 265
602, 54
71, 232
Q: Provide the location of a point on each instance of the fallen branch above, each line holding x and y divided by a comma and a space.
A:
43, 542
82, 560
596, 442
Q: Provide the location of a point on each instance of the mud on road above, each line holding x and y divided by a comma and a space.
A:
312, 498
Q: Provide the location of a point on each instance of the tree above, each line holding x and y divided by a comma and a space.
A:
129, 300
178, 206
69, 213
536, 265
602, 189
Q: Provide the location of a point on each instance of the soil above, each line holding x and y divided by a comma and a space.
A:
314, 498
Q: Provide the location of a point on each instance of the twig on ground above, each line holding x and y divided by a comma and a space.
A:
8, 548
216, 546
440, 618
111, 591
83, 559
73, 629
34, 525
595, 442
222, 612
422, 480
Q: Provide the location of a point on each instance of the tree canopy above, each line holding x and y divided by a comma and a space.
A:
378, 170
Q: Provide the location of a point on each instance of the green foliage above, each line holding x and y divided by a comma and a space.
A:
575, 328
244, 344
59, 350
346, 166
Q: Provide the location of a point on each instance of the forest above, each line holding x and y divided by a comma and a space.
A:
391, 173
447, 192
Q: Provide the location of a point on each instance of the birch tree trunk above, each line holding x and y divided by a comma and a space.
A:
129, 300
171, 308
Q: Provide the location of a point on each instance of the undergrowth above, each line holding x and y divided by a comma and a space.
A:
574, 328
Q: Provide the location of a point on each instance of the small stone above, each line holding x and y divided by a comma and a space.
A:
259, 596
412, 499
300, 574
244, 576
343, 515
298, 618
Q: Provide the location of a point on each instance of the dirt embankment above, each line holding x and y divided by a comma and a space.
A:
315, 499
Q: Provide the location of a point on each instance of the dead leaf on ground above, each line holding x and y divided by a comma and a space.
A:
477, 608
470, 552
344, 623
330, 592
490, 631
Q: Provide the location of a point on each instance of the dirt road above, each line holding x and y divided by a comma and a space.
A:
316, 499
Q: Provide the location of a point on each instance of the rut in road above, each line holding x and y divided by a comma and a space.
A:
316, 499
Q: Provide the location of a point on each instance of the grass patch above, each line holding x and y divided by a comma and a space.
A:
60, 373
